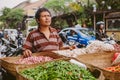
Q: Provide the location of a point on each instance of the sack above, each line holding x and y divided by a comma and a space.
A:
99, 47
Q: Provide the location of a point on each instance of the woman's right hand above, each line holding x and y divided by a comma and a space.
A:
27, 53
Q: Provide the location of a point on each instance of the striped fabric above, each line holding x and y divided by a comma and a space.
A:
37, 42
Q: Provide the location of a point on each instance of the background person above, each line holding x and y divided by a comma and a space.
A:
84, 25
100, 31
44, 38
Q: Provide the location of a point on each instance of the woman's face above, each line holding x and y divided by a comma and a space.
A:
45, 19
101, 26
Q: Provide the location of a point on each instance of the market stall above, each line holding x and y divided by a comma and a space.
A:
94, 58
55, 63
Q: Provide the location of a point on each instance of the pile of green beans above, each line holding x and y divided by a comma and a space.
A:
57, 70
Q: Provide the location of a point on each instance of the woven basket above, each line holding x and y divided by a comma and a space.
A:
21, 68
99, 62
9, 65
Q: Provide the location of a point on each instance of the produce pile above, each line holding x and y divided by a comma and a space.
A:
99, 47
115, 63
94, 47
113, 68
71, 53
57, 70
33, 60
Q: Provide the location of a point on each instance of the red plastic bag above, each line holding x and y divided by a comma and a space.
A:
116, 58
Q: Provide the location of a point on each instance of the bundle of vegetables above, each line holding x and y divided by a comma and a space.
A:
113, 68
57, 70
33, 60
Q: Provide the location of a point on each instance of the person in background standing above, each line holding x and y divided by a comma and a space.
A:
44, 38
100, 31
84, 25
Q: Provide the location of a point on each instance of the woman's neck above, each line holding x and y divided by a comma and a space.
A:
44, 28
101, 30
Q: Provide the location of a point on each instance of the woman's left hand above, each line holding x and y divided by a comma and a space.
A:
72, 47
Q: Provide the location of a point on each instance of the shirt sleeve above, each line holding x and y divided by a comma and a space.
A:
28, 43
60, 42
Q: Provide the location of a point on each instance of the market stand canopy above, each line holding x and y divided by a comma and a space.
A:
113, 24
113, 15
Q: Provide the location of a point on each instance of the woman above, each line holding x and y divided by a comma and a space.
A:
100, 31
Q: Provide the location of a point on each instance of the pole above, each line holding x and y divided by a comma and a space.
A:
103, 16
94, 22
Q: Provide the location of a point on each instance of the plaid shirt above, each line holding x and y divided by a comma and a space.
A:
37, 42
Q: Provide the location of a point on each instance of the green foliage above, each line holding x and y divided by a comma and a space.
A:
33, 23
57, 70
76, 7
16, 14
11, 17
1, 25
59, 23
115, 4
59, 6
5, 12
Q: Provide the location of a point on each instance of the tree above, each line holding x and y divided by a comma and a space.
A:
76, 7
115, 4
58, 6
11, 17
3, 18
61, 7
33, 22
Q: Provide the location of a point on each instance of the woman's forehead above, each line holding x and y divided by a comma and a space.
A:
45, 13
101, 25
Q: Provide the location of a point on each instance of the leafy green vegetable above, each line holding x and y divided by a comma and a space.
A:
57, 70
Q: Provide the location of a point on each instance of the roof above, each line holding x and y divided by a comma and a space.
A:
35, 5
23, 4
30, 8
113, 15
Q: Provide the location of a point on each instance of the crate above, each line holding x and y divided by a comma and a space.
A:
99, 62
9, 65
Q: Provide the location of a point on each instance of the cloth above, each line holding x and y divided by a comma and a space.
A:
37, 42
100, 35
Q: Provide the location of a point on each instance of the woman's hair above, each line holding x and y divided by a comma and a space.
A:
98, 24
39, 11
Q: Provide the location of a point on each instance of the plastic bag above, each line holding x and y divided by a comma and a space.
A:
116, 59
